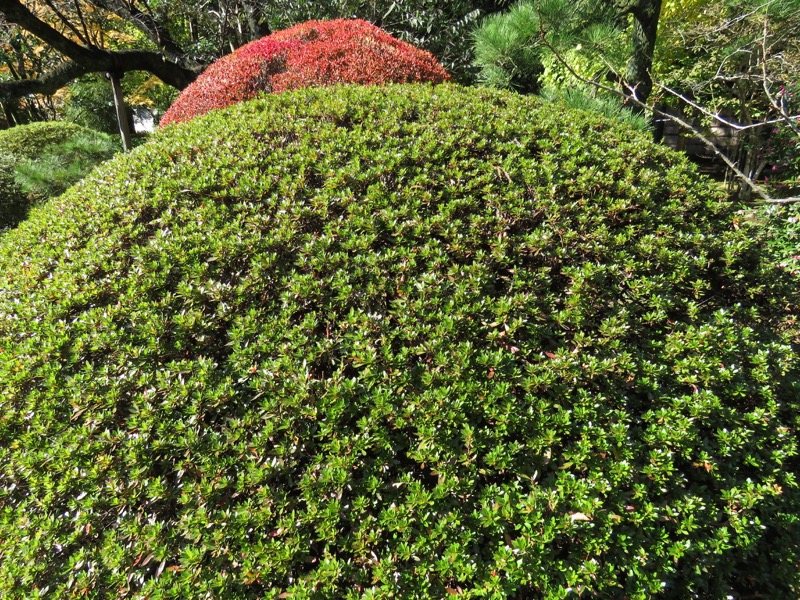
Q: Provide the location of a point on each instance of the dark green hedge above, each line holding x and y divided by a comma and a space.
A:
401, 342
13, 203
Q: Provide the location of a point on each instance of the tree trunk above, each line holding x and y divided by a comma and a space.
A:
83, 59
122, 114
638, 79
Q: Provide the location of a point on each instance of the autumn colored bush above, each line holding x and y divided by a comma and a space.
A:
314, 53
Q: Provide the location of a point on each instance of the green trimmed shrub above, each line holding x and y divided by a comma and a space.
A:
28, 141
13, 204
396, 342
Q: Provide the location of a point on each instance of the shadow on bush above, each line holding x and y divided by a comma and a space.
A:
396, 341
13, 202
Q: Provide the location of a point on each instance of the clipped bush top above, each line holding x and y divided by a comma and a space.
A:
396, 341
28, 141
315, 53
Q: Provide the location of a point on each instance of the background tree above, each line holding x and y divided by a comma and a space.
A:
82, 52
516, 48
732, 71
721, 67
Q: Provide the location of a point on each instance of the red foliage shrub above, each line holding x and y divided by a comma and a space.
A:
314, 53
233, 78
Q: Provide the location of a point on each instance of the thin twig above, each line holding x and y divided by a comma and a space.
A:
779, 106
83, 22
66, 22
716, 117
740, 18
632, 98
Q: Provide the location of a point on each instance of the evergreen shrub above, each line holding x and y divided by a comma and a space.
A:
13, 203
396, 342
28, 141
62, 163
315, 53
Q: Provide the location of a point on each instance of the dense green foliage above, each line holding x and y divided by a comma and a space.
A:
13, 204
739, 59
550, 47
29, 141
399, 342
783, 223
41, 160
90, 103
60, 164
579, 98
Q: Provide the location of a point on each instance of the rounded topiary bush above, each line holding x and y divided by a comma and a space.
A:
29, 140
397, 341
315, 53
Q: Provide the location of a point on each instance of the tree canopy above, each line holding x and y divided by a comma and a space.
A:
725, 71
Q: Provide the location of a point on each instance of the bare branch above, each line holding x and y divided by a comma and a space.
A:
714, 116
16, 12
779, 106
784, 200
83, 22
743, 17
65, 21
144, 20
631, 97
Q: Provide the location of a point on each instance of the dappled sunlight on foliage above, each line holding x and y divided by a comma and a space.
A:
402, 341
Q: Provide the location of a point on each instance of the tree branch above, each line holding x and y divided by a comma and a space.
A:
145, 21
83, 59
779, 106
630, 97
716, 117
46, 85
15, 12
101, 61
65, 21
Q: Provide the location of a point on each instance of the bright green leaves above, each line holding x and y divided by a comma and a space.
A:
404, 341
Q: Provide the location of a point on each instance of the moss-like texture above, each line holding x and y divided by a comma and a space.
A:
28, 141
395, 342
